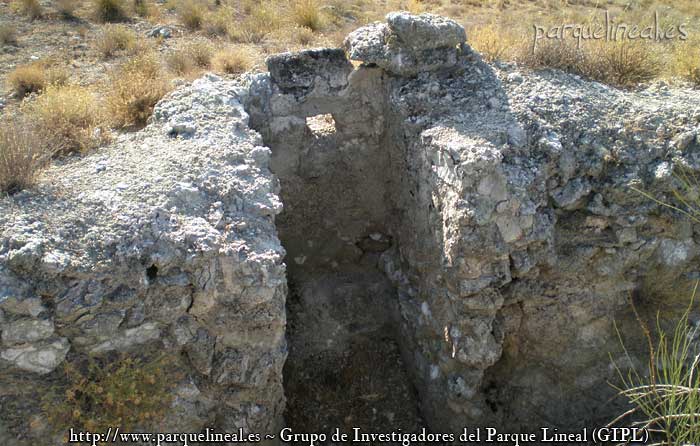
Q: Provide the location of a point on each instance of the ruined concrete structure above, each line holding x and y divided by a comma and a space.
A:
458, 241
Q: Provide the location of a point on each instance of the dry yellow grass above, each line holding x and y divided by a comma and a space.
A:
66, 8
110, 10
31, 8
21, 155
67, 118
232, 61
302, 35
257, 24
307, 14
8, 35
190, 59
217, 23
34, 77
134, 89
191, 14
115, 38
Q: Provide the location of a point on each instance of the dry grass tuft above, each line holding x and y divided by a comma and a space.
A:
31, 8
21, 156
190, 59
142, 8
110, 10
34, 77
8, 34
231, 61
134, 89
624, 63
115, 38
66, 8
217, 23
493, 43
191, 14
261, 21
303, 36
307, 13
687, 62
67, 118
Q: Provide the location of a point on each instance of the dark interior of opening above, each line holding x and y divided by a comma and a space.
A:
345, 367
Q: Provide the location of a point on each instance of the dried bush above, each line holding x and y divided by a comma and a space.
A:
31, 8
303, 35
8, 34
623, 63
142, 8
231, 61
110, 10
66, 8
494, 42
99, 393
34, 77
114, 38
67, 118
21, 156
307, 13
134, 89
217, 23
190, 58
257, 24
191, 14
687, 61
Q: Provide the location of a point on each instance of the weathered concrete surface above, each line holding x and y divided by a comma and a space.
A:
161, 242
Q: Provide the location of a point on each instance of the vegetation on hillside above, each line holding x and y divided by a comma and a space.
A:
232, 36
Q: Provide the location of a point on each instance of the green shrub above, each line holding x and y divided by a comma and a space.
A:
665, 396
99, 394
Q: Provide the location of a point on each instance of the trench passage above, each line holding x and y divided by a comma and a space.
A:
345, 367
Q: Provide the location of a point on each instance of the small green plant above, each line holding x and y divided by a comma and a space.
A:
665, 397
98, 394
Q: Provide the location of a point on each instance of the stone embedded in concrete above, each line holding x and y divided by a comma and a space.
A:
26, 331
407, 44
425, 31
39, 357
318, 69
